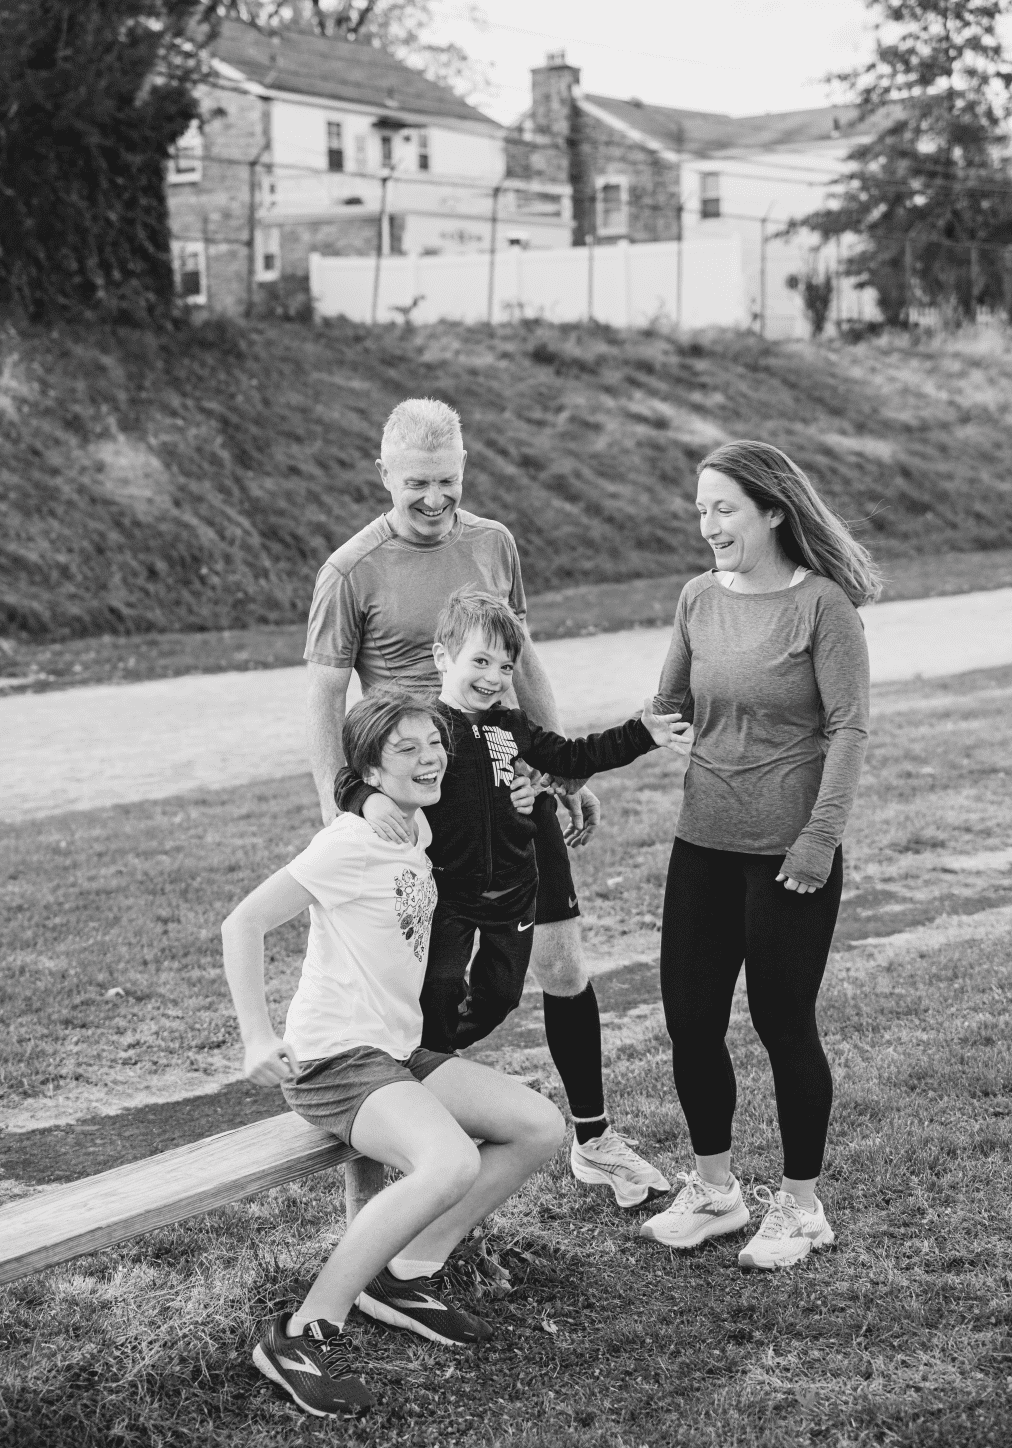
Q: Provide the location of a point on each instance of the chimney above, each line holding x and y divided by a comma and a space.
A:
552, 86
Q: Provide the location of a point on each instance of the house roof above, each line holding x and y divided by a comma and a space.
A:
304, 63
707, 133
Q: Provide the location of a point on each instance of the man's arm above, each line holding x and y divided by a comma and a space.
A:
327, 701
536, 697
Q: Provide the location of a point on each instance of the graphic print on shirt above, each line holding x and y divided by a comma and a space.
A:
503, 749
414, 903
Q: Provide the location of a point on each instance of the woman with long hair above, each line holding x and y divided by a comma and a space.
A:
768, 659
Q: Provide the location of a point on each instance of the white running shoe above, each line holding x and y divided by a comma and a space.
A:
609, 1160
788, 1233
699, 1211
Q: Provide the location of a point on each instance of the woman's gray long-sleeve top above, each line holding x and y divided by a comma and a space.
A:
776, 686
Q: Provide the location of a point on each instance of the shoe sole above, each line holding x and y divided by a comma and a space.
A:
735, 1221
748, 1263
381, 1312
263, 1362
593, 1177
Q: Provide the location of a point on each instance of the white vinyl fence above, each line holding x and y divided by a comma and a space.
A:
692, 283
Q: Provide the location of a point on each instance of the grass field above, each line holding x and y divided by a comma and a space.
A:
902, 1336
196, 480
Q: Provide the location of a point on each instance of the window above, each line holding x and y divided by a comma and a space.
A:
612, 206
190, 264
269, 253
423, 150
386, 151
335, 146
186, 159
361, 154
709, 195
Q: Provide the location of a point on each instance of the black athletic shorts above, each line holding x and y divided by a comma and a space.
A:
556, 891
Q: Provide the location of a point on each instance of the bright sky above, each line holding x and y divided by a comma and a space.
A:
736, 56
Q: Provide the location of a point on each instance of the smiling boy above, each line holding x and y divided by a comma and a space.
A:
482, 850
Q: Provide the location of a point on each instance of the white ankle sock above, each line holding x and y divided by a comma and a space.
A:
296, 1324
725, 1189
404, 1268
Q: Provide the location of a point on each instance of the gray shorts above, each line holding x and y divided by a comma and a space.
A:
330, 1091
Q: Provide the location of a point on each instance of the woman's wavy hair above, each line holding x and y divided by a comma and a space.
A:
811, 534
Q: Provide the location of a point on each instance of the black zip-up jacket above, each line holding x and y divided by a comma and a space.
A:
479, 841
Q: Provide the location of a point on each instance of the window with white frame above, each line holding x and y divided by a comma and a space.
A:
709, 195
386, 150
423, 150
361, 154
187, 156
269, 253
189, 259
612, 206
335, 146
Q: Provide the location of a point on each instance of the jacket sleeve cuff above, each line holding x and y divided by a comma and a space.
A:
809, 861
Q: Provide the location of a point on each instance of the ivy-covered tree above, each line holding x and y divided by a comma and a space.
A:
929, 195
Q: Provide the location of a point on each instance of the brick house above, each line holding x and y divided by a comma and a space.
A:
645, 173
320, 145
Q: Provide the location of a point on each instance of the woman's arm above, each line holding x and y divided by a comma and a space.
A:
840, 659
674, 695
268, 1059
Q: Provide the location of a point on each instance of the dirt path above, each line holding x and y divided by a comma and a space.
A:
111, 744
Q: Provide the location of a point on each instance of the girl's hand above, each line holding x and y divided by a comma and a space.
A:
523, 794
791, 884
385, 819
670, 731
269, 1062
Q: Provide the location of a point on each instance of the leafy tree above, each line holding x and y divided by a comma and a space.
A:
816, 297
929, 194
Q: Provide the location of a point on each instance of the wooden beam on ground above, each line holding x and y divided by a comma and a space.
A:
64, 1222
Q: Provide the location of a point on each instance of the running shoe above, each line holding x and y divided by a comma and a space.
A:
416, 1305
316, 1368
698, 1211
609, 1160
788, 1233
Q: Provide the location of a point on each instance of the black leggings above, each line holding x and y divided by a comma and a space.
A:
720, 909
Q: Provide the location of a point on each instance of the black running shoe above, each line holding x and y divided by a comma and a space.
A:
416, 1305
316, 1368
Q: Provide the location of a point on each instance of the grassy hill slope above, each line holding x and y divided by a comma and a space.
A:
197, 480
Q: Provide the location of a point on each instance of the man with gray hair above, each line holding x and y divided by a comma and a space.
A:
374, 610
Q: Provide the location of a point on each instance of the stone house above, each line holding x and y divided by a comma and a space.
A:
644, 173
320, 145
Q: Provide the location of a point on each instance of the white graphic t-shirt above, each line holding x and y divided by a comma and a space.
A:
368, 941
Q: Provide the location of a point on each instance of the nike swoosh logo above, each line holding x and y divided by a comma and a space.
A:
572, 902
526, 927
420, 1301
304, 1365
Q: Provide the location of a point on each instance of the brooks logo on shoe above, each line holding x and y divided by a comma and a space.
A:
304, 1365
419, 1300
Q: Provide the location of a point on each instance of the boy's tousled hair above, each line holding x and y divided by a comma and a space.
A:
369, 724
421, 424
468, 609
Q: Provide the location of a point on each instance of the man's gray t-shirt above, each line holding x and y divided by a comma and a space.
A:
776, 686
377, 598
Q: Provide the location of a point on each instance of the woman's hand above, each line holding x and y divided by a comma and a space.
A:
523, 794
791, 884
670, 731
270, 1061
386, 820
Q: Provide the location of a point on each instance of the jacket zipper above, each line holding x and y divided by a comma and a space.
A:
487, 806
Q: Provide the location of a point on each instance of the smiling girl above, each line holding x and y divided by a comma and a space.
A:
768, 659
351, 1062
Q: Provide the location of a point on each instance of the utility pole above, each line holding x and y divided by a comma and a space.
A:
762, 275
251, 227
380, 229
836, 287
491, 251
589, 243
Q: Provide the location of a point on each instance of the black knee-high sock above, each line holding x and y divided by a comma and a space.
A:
573, 1030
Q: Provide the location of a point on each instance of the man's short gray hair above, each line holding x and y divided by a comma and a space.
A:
421, 424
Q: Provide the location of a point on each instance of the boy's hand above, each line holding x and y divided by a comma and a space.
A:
523, 794
584, 817
269, 1062
385, 819
670, 731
